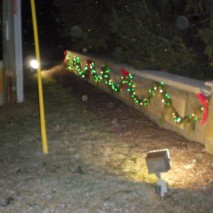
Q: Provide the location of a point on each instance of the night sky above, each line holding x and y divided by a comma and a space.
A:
52, 44
1, 33
122, 36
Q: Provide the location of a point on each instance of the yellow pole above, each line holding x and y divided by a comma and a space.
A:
40, 89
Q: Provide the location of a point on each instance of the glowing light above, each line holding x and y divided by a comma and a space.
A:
34, 64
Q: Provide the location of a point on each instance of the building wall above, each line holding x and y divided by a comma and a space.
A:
1, 56
11, 74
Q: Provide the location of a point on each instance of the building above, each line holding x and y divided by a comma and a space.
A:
11, 62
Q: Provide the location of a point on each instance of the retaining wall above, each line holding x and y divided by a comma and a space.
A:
183, 92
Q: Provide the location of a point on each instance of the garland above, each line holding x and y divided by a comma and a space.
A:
126, 83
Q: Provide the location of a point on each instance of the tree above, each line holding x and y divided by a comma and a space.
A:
144, 33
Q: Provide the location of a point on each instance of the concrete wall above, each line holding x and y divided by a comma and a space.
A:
181, 89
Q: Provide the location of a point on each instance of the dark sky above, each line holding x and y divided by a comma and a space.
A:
52, 44
1, 33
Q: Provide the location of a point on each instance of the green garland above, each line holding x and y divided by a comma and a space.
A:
126, 83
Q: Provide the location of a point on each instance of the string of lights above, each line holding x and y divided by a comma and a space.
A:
126, 83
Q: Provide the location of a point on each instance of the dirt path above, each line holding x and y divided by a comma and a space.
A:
96, 161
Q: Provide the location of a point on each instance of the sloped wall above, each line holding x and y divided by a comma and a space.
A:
183, 92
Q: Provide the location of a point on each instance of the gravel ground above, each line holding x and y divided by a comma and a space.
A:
96, 161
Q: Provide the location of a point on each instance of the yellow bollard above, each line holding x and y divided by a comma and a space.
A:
40, 89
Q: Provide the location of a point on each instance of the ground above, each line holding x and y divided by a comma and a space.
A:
97, 151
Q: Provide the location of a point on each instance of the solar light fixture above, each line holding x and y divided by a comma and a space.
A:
159, 161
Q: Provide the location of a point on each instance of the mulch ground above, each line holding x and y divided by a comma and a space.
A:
96, 161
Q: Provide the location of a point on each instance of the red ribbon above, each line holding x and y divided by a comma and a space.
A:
205, 104
89, 61
65, 53
124, 74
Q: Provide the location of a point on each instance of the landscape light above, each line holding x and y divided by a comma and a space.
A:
159, 161
34, 64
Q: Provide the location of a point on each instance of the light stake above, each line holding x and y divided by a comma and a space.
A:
158, 161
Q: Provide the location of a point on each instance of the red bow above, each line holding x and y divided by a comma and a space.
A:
65, 53
89, 61
124, 72
205, 104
